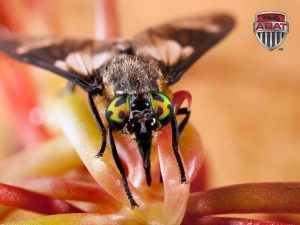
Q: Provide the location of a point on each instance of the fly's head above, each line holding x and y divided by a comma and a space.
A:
140, 114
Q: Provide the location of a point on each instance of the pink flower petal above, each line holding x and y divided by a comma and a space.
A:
175, 193
106, 23
130, 155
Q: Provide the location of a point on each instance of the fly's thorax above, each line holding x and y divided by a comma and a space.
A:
129, 74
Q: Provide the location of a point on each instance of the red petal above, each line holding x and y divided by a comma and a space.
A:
17, 86
229, 221
179, 97
201, 180
20, 94
67, 189
247, 198
21, 198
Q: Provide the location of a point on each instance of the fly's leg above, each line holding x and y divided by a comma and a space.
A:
69, 88
161, 178
178, 98
175, 137
187, 113
181, 126
120, 168
100, 124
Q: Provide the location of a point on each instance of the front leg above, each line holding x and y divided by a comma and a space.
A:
99, 122
120, 168
69, 88
187, 113
178, 98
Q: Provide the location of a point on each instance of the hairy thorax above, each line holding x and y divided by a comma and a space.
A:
129, 74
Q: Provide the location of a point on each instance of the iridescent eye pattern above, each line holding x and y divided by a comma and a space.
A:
162, 107
117, 112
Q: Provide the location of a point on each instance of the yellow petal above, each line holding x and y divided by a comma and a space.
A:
76, 219
41, 160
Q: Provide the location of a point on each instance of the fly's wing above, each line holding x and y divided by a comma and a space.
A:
180, 43
75, 60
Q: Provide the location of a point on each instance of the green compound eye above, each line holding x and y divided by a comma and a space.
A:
162, 107
117, 112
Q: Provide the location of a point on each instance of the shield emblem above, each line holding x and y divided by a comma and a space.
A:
270, 28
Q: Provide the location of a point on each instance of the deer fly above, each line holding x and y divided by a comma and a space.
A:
132, 74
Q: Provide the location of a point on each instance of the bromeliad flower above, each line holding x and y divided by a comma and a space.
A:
62, 188
76, 196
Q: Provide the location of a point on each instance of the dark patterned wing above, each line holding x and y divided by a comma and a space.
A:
75, 60
180, 43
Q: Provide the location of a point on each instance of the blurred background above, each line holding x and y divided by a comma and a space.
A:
245, 98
